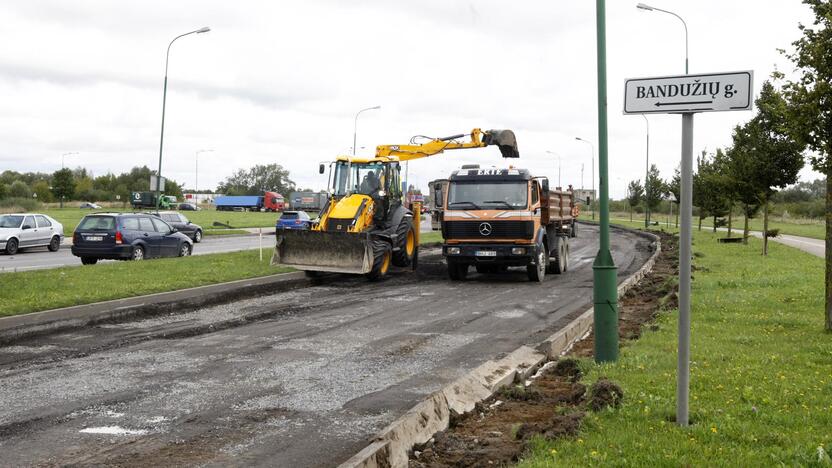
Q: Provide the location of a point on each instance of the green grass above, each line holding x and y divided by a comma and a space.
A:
813, 228
69, 286
430, 237
225, 232
761, 373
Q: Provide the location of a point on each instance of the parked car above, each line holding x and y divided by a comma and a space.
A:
188, 207
182, 224
25, 230
127, 236
90, 206
294, 220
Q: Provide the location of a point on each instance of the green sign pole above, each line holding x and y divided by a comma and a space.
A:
604, 287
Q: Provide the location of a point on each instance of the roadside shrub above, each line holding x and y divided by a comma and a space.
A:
18, 205
19, 189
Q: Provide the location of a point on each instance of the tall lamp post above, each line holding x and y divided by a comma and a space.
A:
556, 154
355, 126
62, 168
685, 241
593, 174
164, 99
647, 175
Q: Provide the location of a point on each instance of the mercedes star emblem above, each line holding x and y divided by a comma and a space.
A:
485, 229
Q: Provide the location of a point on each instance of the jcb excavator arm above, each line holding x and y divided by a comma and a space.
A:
504, 139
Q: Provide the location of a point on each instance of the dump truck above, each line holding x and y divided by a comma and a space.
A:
438, 188
269, 201
307, 201
148, 200
364, 227
497, 218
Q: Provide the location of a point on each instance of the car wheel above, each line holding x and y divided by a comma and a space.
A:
55, 244
185, 249
11, 246
138, 253
89, 260
198, 236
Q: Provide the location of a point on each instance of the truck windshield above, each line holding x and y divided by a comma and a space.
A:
365, 178
488, 195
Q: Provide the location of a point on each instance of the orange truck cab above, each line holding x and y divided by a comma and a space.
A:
497, 218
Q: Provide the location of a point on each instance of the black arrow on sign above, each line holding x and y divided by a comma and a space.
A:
659, 104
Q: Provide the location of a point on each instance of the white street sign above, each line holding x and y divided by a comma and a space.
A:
708, 92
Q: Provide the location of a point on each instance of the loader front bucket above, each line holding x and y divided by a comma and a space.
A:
505, 140
337, 252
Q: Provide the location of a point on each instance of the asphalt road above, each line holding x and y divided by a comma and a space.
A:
40, 258
306, 380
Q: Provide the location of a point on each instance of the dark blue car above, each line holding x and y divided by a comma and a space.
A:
294, 220
127, 236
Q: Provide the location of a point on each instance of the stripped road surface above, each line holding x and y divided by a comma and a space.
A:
303, 377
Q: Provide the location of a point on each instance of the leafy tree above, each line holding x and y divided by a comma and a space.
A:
810, 109
655, 190
258, 179
63, 185
20, 189
634, 194
4, 190
674, 187
41, 188
84, 189
712, 200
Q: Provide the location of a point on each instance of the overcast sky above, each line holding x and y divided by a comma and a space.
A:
280, 82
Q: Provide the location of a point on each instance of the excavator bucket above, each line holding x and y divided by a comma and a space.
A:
337, 252
505, 140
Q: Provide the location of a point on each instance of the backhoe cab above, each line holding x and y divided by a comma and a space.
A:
364, 228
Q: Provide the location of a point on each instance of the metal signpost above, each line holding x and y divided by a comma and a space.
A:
687, 95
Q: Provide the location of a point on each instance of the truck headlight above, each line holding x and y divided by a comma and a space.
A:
518, 250
453, 250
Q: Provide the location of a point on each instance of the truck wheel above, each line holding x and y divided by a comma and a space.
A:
457, 271
557, 262
382, 257
407, 244
537, 271
573, 232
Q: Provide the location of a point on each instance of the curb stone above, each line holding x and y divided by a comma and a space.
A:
391, 447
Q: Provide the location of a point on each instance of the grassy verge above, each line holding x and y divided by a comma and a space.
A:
68, 286
225, 232
70, 217
813, 228
761, 378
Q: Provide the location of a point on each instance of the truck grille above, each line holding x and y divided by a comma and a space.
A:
498, 229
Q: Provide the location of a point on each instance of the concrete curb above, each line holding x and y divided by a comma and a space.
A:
50, 321
391, 446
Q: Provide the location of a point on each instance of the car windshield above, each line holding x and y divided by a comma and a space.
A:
488, 195
364, 178
98, 223
10, 221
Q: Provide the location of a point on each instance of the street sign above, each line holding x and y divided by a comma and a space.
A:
708, 92
161, 187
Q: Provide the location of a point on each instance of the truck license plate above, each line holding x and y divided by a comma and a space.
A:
486, 253
94, 238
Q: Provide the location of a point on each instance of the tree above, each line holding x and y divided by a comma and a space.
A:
258, 179
634, 193
712, 200
63, 185
83, 189
810, 110
655, 189
674, 187
19, 189
41, 188
4, 190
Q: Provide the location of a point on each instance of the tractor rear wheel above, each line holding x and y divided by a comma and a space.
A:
382, 258
406, 239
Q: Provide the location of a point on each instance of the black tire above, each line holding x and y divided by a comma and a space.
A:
198, 236
457, 271
573, 232
185, 249
406, 239
557, 261
12, 246
54, 244
537, 271
566, 251
382, 258
138, 253
89, 260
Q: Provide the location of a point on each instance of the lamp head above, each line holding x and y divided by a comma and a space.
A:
204, 29
642, 6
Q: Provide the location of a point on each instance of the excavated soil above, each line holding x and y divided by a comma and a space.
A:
553, 405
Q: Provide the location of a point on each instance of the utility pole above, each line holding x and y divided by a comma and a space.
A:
604, 271
355, 126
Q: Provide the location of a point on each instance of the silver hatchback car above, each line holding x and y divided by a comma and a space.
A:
25, 230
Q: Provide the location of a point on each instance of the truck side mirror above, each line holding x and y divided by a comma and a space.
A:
321, 168
544, 185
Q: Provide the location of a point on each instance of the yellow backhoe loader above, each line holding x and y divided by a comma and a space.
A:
363, 228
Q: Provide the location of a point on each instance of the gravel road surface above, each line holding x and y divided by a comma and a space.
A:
299, 378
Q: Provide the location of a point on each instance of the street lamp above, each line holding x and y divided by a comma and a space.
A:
646, 176
355, 126
164, 99
196, 183
592, 205
644, 7
556, 154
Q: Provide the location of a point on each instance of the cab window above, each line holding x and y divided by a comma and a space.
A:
535, 193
